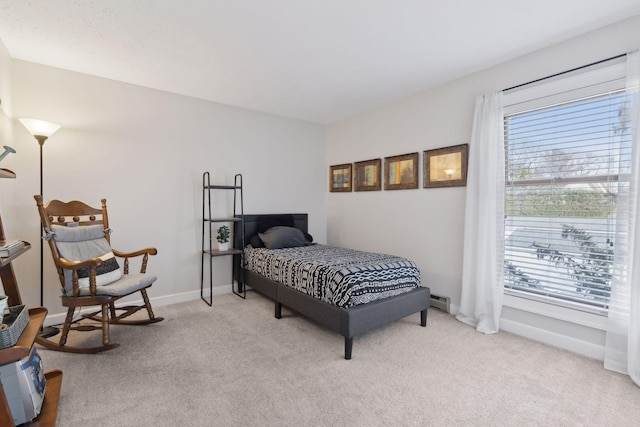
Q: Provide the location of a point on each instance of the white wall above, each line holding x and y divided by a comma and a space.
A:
426, 225
6, 125
145, 152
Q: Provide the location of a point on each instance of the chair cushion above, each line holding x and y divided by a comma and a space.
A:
83, 242
129, 283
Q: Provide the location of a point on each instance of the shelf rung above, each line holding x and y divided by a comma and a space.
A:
6, 173
7, 260
214, 252
222, 220
222, 187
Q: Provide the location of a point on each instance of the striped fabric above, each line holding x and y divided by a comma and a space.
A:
338, 276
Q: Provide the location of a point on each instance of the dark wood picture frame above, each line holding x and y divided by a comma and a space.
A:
367, 175
401, 172
340, 178
446, 167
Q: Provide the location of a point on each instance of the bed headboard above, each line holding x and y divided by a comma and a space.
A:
300, 221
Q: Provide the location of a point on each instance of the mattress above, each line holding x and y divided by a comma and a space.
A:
339, 276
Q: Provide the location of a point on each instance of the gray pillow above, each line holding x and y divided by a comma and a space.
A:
283, 237
81, 243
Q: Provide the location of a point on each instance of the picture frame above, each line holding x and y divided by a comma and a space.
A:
401, 172
340, 178
446, 167
367, 175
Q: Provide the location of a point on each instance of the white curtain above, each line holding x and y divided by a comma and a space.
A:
622, 349
482, 277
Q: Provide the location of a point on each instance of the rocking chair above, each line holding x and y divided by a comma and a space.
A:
89, 272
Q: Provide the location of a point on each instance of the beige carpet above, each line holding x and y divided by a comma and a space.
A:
234, 364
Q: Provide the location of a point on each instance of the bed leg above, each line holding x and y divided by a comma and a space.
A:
348, 346
278, 310
423, 318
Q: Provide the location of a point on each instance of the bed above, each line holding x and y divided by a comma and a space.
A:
347, 315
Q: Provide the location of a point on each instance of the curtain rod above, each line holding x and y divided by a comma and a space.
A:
565, 72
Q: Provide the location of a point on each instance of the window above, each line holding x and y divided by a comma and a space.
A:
568, 151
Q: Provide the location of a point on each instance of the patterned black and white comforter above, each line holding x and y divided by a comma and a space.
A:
338, 276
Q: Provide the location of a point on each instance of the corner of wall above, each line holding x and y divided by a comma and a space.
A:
6, 124
5, 82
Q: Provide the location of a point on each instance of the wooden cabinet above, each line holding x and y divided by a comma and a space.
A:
23, 346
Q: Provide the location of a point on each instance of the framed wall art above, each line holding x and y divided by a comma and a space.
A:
340, 178
367, 175
401, 172
446, 167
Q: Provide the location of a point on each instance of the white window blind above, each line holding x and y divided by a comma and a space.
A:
567, 150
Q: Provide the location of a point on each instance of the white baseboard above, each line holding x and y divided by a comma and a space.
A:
58, 318
565, 342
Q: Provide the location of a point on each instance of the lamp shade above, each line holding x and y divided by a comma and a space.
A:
40, 127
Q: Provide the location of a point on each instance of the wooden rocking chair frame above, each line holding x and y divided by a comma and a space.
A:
81, 214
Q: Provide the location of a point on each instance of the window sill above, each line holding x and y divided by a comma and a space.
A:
593, 318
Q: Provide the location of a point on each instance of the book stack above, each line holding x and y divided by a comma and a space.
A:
10, 247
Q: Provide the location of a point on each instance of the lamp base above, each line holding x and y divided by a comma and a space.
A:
48, 331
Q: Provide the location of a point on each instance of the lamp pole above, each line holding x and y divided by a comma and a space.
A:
41, 139
46, 331
41, 130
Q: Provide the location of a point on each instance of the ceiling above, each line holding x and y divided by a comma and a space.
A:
315, 60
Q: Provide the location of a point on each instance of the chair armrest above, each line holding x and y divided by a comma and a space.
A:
150, 251
126, 255
91, 263
77, 265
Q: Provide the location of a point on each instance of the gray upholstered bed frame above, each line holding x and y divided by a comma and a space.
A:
347, 322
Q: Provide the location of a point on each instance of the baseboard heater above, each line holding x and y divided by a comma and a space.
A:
440, 303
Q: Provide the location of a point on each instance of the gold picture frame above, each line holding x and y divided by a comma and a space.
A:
401, 172
367, 175
446, 167
340, 178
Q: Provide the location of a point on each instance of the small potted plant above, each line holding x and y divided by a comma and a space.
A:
223, 238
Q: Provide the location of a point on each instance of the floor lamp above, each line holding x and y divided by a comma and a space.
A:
41, 130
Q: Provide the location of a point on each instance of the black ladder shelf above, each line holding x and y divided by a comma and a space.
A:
208, 223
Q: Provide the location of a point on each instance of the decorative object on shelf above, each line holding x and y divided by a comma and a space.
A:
7, 151
10, 247
367, 175
25, 386
13, 324
446, 167
41, 131
401, 172
340, 178
4, 304
223, 238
